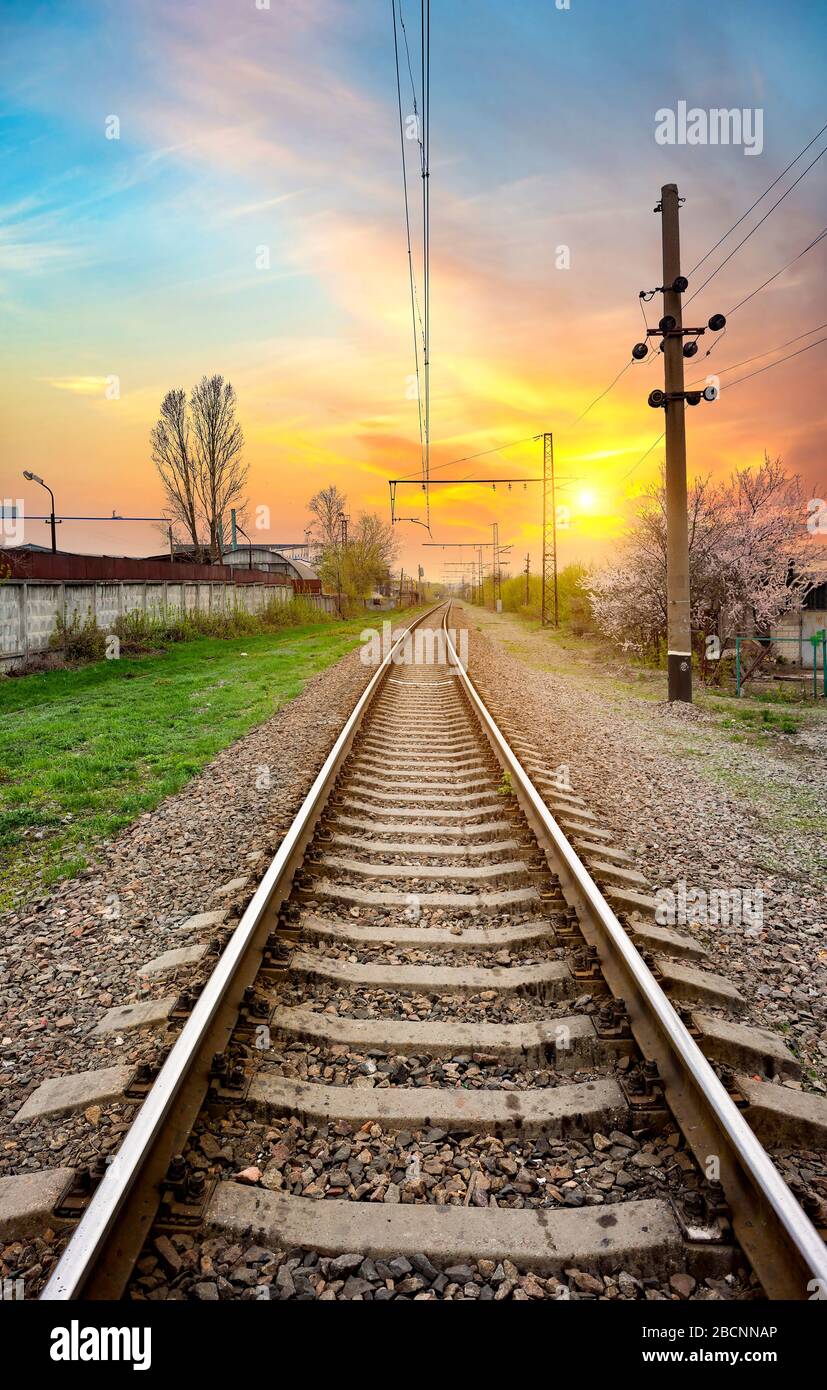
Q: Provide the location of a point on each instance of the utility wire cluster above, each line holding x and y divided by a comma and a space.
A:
419, 128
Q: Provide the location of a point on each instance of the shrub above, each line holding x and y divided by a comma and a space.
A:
79, 640
572, 597
140, 632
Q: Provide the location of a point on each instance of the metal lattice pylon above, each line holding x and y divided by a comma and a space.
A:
549, 604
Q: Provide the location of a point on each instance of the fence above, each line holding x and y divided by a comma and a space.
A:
30, 609
818, 644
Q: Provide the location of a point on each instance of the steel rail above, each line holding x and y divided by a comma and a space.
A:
785, 1249
101, 1252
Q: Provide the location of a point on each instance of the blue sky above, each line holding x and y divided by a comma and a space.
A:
243, 128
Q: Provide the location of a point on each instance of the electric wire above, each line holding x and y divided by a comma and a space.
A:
411, 76
754, 229
611, 384
425, 19
768, 353
652, 446
754, 205
466, 458
770, 365
414, 305
822, 234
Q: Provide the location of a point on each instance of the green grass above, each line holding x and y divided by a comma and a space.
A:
84, 752
762, 718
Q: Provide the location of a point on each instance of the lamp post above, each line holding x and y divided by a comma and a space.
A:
238, 527
33, 478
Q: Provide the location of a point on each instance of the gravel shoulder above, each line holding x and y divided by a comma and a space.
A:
691, 802
69, 957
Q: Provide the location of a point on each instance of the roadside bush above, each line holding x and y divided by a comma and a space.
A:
140, 632
78, 640
146, 632
296, 613
572, 597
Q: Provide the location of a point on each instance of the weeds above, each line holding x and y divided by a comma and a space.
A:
79, 640
83, 640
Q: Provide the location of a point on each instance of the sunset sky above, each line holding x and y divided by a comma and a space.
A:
243, 127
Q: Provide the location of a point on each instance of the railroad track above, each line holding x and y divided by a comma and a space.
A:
431, 1060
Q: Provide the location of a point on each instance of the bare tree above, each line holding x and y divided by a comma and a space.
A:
353, 569
196, 448
170, 441
328, 506
218, 442
370, 554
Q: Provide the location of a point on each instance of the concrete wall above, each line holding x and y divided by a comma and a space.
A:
801, 625
29, 609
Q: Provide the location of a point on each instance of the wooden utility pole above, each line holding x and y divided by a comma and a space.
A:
548, 599
679, 634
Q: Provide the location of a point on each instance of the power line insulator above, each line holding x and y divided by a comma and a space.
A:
711, 393
639, 351
690, 348
656, 399
679, 284
693, 398
667, 323
717, 322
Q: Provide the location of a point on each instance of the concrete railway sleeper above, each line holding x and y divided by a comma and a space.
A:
432, 1062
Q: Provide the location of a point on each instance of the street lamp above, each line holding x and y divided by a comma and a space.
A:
240, 528
33, 478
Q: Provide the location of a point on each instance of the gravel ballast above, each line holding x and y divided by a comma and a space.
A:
658, 777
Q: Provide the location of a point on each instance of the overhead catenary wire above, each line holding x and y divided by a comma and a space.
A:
466, 458
416, 117
425, 20
421, 119
411, 276
425, 62
411, 76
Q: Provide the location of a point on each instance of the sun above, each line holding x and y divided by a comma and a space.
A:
586, 500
